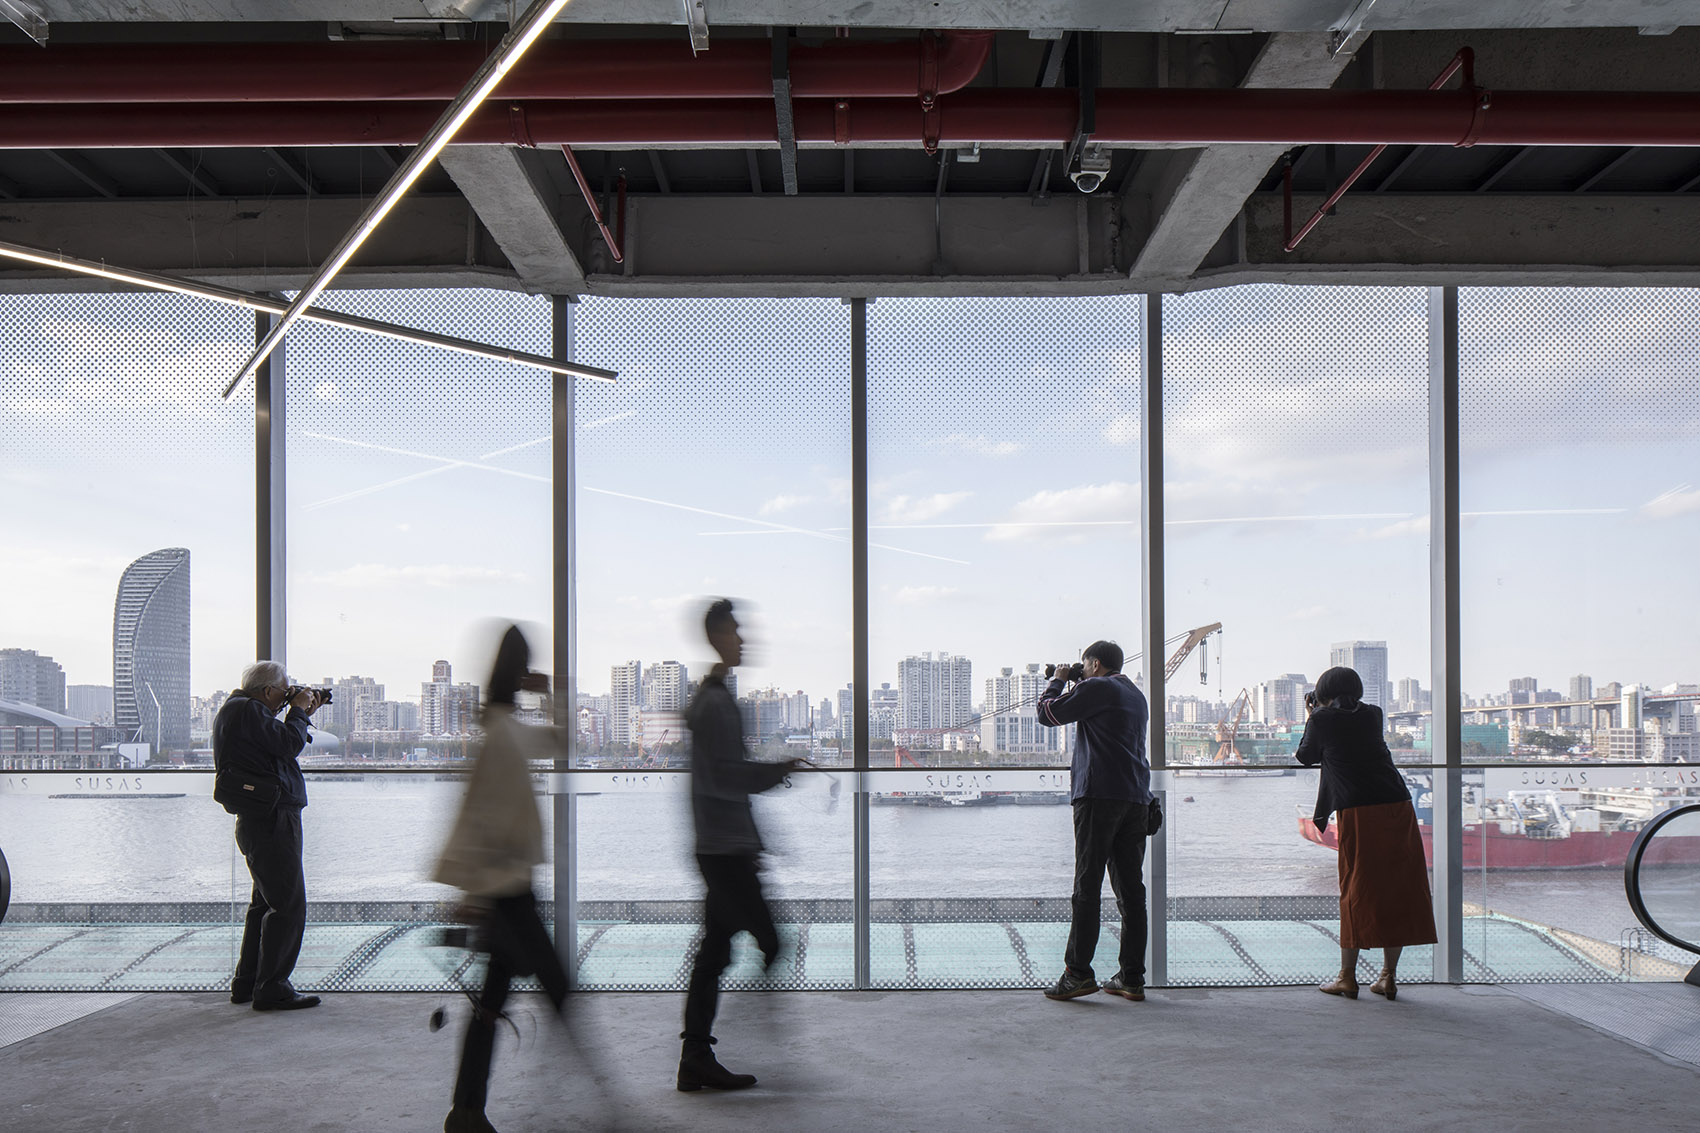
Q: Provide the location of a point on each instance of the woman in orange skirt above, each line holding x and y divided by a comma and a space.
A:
1384, 893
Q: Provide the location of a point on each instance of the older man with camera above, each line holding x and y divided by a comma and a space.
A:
256, 778
1114, 812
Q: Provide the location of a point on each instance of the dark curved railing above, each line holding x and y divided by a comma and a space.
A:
1671, 911
5, 886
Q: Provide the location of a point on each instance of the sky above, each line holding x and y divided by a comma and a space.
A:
1004, 469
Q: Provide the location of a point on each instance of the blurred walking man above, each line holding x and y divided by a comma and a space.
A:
728, 849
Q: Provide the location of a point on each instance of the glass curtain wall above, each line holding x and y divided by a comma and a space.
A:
1003, 466
718, 466
1296, 516
128, 604
418, 528
1579, 422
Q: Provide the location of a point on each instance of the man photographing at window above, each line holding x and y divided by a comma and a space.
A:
256, 778
1114, 812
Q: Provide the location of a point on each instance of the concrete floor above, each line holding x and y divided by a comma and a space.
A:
1440, 1057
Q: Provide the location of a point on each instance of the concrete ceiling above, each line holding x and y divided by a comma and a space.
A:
894, 219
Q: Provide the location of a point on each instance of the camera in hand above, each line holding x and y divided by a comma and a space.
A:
324, 693
1072, 673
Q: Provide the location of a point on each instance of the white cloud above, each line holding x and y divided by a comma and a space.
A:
1680, 500
921, 509
1305, 613
979, 445
365, 576
923, 595
1114, 502
1416, 525
782, 503
1123, 429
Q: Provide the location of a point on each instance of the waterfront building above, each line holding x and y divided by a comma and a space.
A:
447, 708
1010, 716
665, 687
934, 692
89, 702
150, 651
625, 690
28, 677
1369, 658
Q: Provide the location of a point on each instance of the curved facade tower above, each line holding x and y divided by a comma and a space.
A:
150, 650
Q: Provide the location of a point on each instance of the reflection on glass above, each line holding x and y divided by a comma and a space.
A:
1669, 878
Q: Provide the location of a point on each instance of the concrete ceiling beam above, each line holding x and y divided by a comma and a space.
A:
1190, 197
509, 192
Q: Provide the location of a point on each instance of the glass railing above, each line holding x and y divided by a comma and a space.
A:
132, 880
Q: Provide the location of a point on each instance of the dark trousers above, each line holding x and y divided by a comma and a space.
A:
1108, 832
519, 946
734, 904
277, 911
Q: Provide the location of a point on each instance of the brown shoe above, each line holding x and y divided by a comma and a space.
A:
1384, 985
1346, 984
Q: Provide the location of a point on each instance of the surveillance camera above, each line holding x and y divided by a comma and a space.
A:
1089, 170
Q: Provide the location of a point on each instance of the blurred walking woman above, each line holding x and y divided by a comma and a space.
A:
496, 842
1384, 894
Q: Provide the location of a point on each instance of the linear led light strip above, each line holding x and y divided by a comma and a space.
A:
520, 37
277, 307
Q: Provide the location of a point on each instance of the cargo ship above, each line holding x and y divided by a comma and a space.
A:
1536, 830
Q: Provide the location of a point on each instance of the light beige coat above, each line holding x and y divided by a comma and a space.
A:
497, 837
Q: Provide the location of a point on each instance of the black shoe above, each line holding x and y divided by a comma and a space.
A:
287, 1000
698, 1069
465, 1119
1071, 987
1115, 985
241, 992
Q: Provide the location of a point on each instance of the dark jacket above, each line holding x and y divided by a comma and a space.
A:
1357, 768
246, 737
723, 777
1110, 716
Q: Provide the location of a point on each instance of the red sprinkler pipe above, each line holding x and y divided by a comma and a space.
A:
1015, 117
64, 74
1465, 60
608, 238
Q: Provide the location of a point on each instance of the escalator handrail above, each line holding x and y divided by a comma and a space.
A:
1632, 875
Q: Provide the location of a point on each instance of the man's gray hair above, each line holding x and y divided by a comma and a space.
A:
263, 674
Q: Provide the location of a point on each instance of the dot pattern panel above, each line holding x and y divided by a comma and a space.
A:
1278, 375
756, 381
1554, 367
99, 378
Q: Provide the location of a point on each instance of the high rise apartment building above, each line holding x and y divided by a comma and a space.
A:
446, 708
625, 693
1280, 701
1369, 659
347, 693
29, 677
934, 692
664, 687
150, 650
89, 702
1010, 723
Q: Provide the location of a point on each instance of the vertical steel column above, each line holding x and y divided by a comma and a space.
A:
859, 629
271, 592
1151, 610
565, 661
1447, 719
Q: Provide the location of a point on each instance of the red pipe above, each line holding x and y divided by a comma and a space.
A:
1016, 117
403, 72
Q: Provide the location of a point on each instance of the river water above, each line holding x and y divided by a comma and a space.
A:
373, 838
